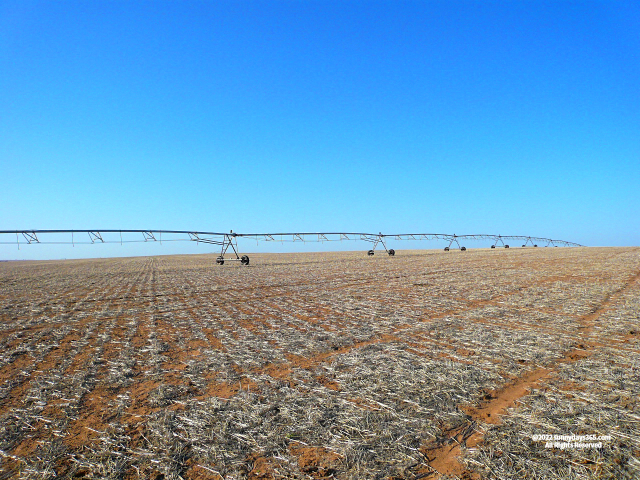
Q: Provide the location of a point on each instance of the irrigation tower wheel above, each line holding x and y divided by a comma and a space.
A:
244, 260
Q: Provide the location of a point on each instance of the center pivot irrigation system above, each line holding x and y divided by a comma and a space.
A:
230, 240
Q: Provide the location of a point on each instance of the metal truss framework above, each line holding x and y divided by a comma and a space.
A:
230, 240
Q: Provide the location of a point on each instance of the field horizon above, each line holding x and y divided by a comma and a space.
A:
362, 251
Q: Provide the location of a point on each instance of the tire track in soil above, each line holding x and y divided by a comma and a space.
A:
443, 456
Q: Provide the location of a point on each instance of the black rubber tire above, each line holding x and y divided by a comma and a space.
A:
446, 249
244, 260
463, 249
392, 252
371, 253
506, 246
493, 246
220, 260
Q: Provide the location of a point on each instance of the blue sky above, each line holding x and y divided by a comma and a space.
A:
432, 116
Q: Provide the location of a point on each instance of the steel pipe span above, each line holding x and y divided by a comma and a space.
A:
228, 241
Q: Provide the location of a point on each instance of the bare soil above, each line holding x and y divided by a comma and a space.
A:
428, 364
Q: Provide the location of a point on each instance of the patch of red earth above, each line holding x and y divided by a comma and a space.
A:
455, 359
496, 402
38, 436
401, 327
279, 371
94, 417
179, 358
263, 468
576, 354
312, 320
119, 331
57, 354
631, 337
465, 352
626, 402
318, 462
83, 356
111, 349
330, 384
416, 352
141, 336
137, 438
10, 467
213, 340
16, 342
572, 387
197, 344
309, 363
228, 390
30, 442
167, 333
252, 312
20, 361
139, 393
196, 471
251, 325
443, 458
427, 342
98, 410
364, 404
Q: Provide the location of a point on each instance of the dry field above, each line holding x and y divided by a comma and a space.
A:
335, 365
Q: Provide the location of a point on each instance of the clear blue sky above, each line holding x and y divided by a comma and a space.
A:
507, 117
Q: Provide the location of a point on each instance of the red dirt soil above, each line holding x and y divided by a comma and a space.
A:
98, 357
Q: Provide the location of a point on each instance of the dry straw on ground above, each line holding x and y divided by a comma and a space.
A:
424, 365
